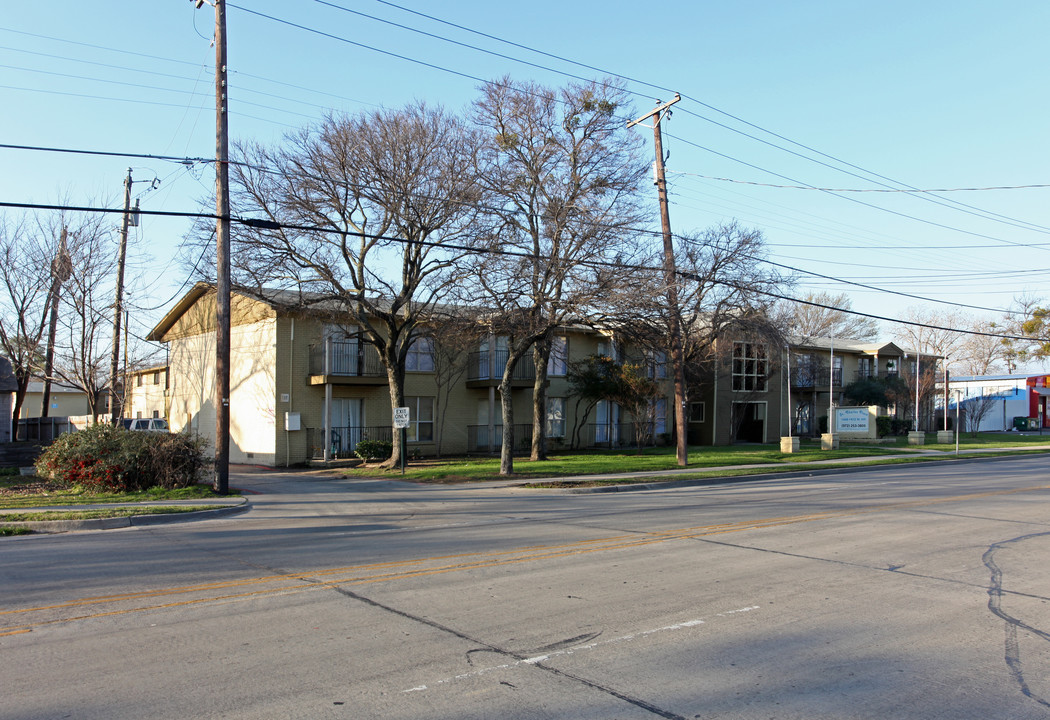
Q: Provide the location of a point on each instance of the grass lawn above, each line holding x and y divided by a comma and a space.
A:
27, 492
104, 513
455, 470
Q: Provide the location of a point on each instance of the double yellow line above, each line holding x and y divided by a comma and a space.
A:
27, 619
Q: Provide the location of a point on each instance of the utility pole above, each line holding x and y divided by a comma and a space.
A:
221, 483
115, 409
671, 280
61, 269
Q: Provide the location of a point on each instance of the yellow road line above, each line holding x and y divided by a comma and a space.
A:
423, 567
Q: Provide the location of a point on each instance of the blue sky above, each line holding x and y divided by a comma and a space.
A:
932, 95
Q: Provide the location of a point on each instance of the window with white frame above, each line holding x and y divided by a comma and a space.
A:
557, 364
420, 357
556, 417
421, 419
697, 412
750, 367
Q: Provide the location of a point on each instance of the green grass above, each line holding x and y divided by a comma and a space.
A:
78, 496
104, 513
598, 463
455, 470
8, 530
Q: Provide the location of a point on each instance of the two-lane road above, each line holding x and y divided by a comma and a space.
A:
915, 591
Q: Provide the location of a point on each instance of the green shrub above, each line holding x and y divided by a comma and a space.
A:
374, 449
112, 459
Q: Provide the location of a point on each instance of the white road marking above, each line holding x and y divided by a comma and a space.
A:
578, 648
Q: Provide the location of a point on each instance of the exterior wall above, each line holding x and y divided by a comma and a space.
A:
64, 402
148, 399
252, 393
1012, 397
7, 406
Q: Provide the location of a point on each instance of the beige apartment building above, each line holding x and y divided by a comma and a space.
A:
305, 388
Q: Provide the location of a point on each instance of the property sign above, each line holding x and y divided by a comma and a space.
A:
851, 419
401, 418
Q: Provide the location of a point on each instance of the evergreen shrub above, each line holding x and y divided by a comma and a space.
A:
104, 458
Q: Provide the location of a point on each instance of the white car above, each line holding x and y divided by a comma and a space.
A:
147, 424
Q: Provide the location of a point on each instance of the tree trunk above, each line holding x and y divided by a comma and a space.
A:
396, 380
506, 457
541, 354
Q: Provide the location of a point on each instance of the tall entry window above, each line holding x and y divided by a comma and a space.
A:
750, 367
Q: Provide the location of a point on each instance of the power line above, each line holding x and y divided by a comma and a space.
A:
861, 190
272, 225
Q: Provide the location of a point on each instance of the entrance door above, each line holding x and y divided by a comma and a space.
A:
749, 419
347, 422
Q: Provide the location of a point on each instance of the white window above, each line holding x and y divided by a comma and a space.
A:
421, 419
556, 417
558, 362
697, 412
750, 367
420, 357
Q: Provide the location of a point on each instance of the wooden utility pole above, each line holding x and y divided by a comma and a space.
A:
671, 280
61, 269
115, 410
221, 484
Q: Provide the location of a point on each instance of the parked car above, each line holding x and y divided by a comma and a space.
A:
146, 424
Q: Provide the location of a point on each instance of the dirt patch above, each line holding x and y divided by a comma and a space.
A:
30, 487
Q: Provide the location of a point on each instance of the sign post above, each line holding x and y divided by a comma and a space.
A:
401, 420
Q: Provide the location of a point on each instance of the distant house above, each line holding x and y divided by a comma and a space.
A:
64, 401
8, 386
996, 400
146, 396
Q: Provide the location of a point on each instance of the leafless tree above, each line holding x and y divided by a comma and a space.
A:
562, 173
973, 411
725, 293
459, 333
25, 270
823, 315
980, 352
366, 213
84, 348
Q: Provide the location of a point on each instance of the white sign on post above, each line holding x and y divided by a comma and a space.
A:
401, 418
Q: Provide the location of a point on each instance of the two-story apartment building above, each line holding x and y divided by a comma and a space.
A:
821, 369
304, 386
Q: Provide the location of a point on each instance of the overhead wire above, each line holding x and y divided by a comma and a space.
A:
267, 224
654, 233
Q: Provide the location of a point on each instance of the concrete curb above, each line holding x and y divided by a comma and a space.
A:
59, 526
809, 472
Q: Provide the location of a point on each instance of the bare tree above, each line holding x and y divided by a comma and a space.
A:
823, 315
365, 213
25, 270
979, 352
563, 173
725, 293
973, 411
85, 327
460, 332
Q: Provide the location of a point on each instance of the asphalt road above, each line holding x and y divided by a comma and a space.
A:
905, 592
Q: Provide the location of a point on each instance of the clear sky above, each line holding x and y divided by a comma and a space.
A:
861, 97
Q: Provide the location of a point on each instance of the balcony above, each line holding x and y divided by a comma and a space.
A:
817, 378
478, 438
345, 362
484, 370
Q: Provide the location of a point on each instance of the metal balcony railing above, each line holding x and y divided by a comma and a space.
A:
482, 366
346, 358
